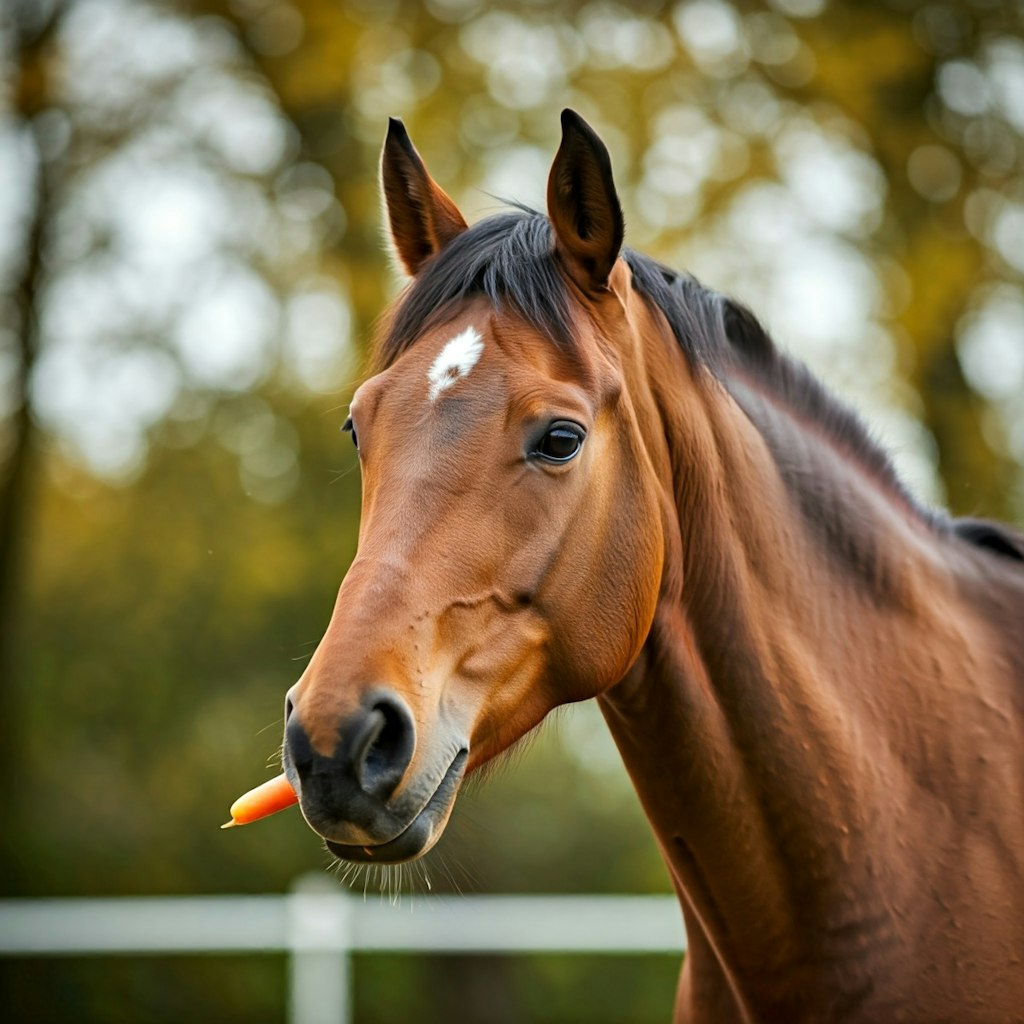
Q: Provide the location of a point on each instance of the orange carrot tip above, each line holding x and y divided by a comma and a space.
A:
273, 796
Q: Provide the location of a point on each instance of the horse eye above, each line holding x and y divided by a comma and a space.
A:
349, 428
561, 443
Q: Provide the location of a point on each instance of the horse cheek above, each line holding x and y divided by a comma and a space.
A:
621, 590
639, 587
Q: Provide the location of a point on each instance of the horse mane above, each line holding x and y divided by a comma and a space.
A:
509, 258
723, 336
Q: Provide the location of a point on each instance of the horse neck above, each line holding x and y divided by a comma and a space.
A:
746, 724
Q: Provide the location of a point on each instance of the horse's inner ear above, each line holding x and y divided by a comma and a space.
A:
583, 205
421, 217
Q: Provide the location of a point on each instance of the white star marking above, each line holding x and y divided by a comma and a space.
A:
455, 360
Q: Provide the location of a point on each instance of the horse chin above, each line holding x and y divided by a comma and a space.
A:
420, 834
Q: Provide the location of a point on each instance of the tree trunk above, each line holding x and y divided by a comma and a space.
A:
31, 81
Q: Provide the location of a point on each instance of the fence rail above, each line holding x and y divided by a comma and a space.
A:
319, 926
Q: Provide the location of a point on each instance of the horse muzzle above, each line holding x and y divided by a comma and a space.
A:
364, 798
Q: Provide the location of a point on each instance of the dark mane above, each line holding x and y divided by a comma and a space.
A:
509, 259
724, 336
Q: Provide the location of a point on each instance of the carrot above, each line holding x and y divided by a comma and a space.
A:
273, 796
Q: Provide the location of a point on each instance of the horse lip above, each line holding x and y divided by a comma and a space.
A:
412, 840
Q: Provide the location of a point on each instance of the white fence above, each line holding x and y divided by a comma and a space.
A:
319, 925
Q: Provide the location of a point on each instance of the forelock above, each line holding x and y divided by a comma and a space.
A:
508, 258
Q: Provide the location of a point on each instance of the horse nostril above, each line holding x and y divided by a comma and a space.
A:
386, 748
374, 747
298, 752
289, 704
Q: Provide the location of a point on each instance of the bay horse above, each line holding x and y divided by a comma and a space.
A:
587, 475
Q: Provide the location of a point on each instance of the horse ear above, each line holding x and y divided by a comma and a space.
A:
583, 205
422, 219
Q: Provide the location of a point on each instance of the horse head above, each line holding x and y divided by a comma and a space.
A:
512, 538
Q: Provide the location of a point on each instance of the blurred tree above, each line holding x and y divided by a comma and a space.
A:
28, 33
133, 216
924, 82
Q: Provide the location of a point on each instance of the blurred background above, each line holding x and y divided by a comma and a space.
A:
190, 266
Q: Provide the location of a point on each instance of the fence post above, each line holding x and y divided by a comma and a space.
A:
319, 944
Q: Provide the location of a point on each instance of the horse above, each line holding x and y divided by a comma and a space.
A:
586, 475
